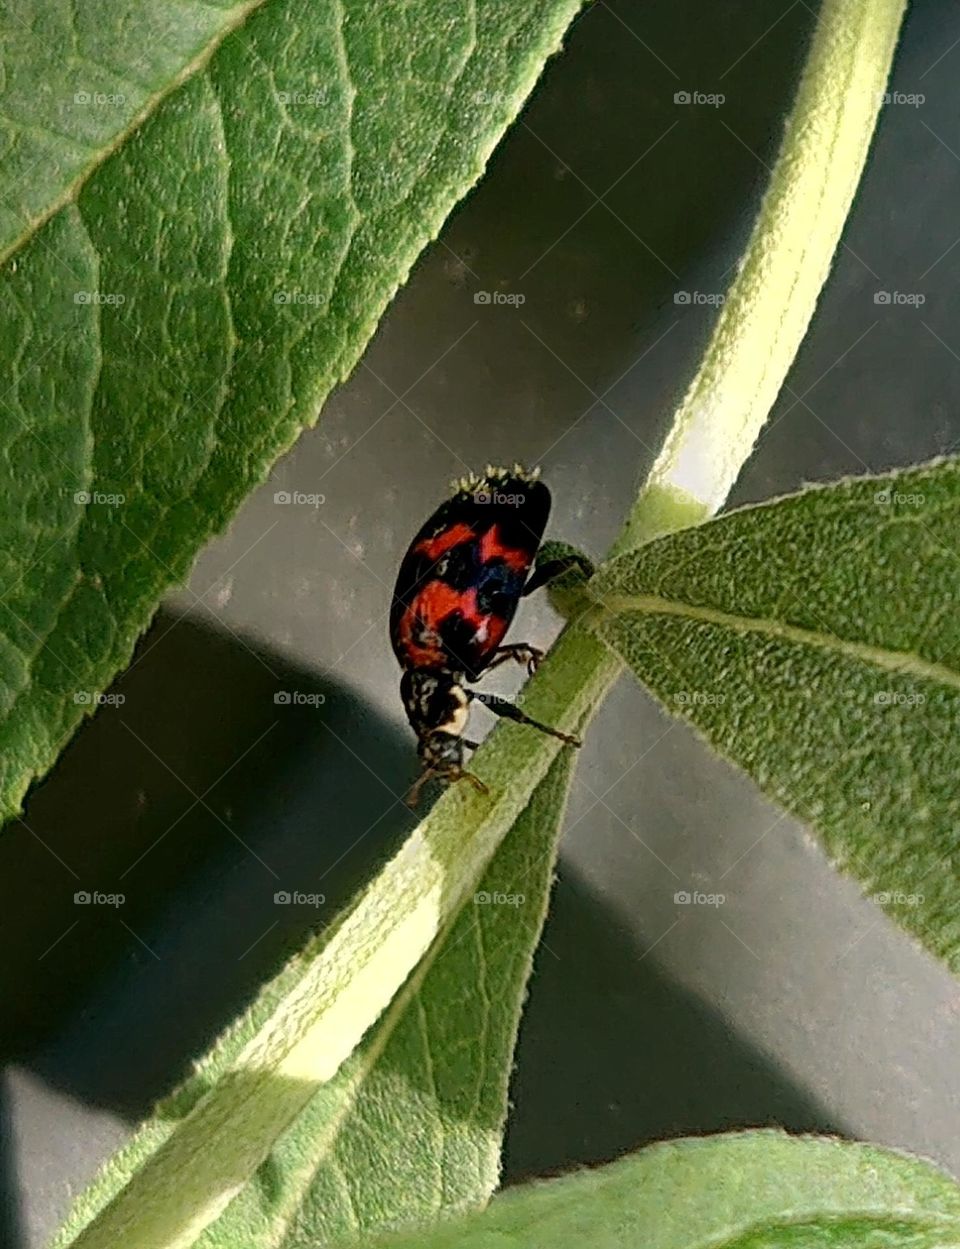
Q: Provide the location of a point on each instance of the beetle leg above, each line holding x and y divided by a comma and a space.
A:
450, 774
413, 797
550, 570
503, 707
522, 652
475, 781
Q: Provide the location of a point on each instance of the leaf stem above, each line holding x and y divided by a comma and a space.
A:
788, 257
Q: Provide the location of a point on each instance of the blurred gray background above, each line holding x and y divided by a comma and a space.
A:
797, 1002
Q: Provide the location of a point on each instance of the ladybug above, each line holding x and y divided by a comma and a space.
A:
457, 590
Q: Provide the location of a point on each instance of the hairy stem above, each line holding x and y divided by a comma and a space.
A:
788, 257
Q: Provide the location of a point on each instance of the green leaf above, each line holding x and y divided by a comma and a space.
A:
815, 641
749, 1190
173, 327
63, 115
410, 1127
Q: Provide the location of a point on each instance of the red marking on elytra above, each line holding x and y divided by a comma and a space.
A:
434, 602
492, 548
442, 542
495, 625
496, 628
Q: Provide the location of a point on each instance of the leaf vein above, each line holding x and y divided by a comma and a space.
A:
906, 663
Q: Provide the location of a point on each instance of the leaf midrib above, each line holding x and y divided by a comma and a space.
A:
237, 18
838, 1220
370, 1056
905, 663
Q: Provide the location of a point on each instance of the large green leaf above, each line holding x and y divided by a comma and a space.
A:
77, 78
409, 1129
752, 1190
815, 641
170, 330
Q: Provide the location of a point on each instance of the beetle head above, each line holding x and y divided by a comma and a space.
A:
437, 707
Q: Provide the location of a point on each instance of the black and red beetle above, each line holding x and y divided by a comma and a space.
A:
457, 590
